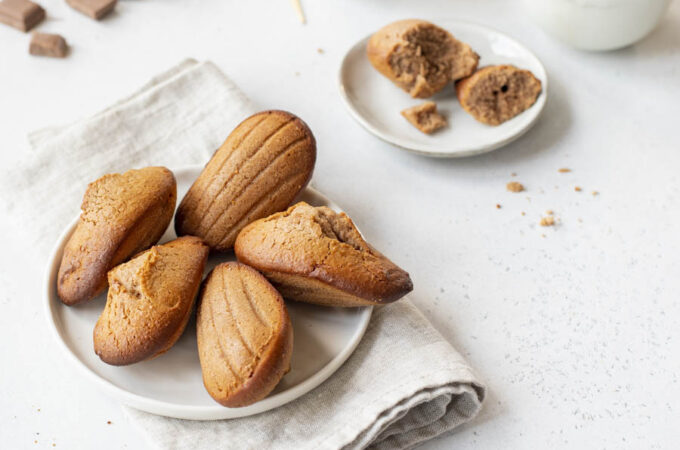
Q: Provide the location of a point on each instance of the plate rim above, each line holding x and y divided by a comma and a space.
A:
423, 149
188, 412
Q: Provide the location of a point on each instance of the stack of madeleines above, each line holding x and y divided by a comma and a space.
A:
422, 59
240, 202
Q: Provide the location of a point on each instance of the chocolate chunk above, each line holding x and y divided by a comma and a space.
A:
21, 14
96, 9
44, 44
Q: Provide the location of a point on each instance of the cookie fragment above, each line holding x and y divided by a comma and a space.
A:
425, 117
45, 44
21, 14
96, 9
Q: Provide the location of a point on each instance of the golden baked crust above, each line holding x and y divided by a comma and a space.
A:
258, 171
420, 57
425, 117
150, 301
245, 338
495, 94
122, 214
318, 256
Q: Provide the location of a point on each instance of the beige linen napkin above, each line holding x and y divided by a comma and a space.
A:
404, 383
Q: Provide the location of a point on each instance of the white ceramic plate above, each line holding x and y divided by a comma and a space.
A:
171, 385
375, 102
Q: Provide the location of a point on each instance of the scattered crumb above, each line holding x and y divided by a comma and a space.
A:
564, 170
54, 445
297, 74
548, 221
319, 51
543, 235
580, 220
38, 409
35, 442
498, 206
578, 189
595, 193
523, 213
513, 174
549, 212
514, 186
108, 422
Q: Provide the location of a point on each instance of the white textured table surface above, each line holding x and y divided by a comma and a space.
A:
575, 328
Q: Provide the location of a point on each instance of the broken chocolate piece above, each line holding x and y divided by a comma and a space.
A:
44, 44
21, 14
95, 9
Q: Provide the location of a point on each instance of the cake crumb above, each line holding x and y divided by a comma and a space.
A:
543, 235
548, 221
108, 422
320, 51
550, 212
498, 206
578, 189
513, 174
564, 170
514, 186
425, 117
595, 193
297, 74
523, 213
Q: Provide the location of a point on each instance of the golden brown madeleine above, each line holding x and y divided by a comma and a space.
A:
122, 214
495, 94
150, 301
245, 338
316, 255
420, 57
258, 171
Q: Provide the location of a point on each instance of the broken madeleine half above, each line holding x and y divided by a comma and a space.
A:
420, 57
495, 94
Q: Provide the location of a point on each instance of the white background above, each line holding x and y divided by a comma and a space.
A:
577, 332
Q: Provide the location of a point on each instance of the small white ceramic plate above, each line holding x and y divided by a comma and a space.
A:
171, 385
375, 102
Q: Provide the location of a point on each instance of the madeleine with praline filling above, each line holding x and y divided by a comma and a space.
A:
420, 57
264, 163
315, 255
150, 301
245, 337
122, 214
495, 94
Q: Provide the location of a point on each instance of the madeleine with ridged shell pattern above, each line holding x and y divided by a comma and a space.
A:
245, 337
264, 163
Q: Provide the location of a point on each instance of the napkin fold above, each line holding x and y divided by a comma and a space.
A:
404, 383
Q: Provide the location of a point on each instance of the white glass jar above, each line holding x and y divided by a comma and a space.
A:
597, 24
